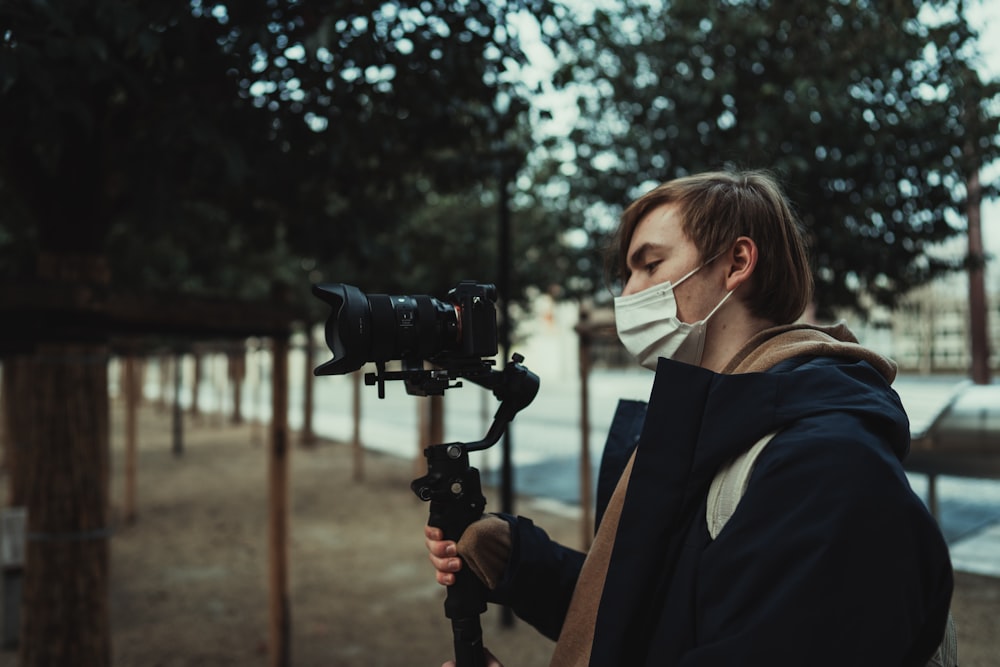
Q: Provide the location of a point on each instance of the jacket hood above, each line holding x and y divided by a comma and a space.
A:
771, 346
783, 375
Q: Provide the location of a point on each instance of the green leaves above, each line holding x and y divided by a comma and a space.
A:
213, 147
228, 143
863, 111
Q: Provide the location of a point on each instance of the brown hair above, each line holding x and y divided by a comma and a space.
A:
717, 208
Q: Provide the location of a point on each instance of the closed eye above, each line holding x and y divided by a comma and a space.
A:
650, 267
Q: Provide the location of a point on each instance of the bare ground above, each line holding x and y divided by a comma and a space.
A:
189, 579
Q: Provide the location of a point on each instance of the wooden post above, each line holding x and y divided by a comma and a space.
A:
237, 371
178, 415
423, 438
219, 384
280, 630
140, 380
978, 320
927, 347
430, 424
195, 409
130, 389
585, 466
436, 426
258, 383
356, 445
307, 437
163, 366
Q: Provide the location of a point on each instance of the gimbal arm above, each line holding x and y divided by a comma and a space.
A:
454, 490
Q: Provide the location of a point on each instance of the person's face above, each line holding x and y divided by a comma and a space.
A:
660, 251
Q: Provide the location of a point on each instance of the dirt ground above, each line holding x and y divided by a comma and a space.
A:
189, 576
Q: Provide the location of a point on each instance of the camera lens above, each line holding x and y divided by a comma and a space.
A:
380, 327
411, 327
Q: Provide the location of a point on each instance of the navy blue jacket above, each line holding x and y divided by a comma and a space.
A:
830, 558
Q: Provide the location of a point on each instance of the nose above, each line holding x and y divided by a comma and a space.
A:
631, 286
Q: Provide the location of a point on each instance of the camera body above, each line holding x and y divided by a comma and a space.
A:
459, 332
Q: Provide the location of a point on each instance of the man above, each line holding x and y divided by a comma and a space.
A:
828, 559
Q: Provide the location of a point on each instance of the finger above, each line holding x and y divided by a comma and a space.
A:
491, 660
446, 565
433, 533
441, 549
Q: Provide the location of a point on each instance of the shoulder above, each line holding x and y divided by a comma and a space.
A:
833, 399
834, 445
830, 469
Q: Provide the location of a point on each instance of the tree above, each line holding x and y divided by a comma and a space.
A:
204, 141
208, 148
865, 110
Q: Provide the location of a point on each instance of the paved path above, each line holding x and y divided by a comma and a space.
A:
546, 441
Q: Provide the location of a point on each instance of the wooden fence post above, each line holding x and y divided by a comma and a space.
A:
178, 414
586, 503
307, 436
130, 389
356, 445
236, 361
280, 630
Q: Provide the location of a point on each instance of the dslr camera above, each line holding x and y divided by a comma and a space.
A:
458, 336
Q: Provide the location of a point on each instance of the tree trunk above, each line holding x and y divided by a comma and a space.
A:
65, 616
978, 321
16, 428
64, 461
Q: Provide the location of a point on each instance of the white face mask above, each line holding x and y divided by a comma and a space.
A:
649, 329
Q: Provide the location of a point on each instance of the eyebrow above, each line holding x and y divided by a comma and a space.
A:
637, 258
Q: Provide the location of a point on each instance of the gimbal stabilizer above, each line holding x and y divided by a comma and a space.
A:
456, 500
459, 337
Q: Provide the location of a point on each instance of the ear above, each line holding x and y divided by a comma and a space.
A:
742, 260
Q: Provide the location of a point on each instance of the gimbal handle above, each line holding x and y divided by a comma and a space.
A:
454, 490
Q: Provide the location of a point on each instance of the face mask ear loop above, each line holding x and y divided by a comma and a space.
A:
728, 294
719, 305
696, 270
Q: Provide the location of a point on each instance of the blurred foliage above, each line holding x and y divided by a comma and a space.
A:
216, 148
871, 113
